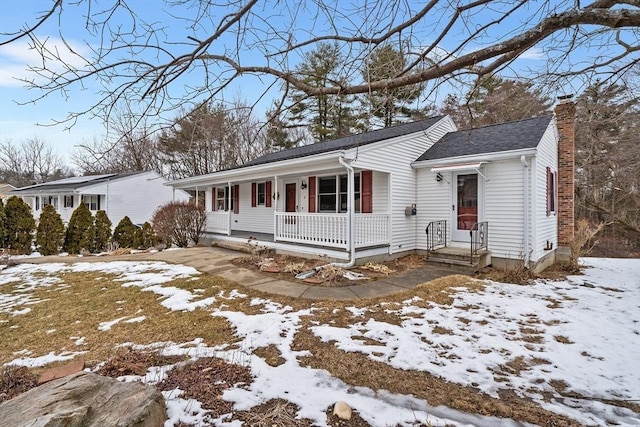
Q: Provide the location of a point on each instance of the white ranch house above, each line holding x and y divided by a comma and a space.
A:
133, 194
489, 190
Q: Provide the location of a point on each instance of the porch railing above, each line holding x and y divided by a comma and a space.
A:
479, 237
371, 229
312, 229
436, 235
218, 222
331, 229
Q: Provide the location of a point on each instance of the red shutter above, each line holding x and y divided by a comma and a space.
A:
236, 199
549, 191
312, 194
254, 191
213, 199
267, 194
366, 191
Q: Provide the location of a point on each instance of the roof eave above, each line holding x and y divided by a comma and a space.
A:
498, 155
248, 171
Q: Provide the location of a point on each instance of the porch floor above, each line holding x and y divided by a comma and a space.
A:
239, 239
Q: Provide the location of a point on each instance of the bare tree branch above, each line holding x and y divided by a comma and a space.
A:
153, 65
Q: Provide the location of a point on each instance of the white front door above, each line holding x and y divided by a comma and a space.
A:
465, 208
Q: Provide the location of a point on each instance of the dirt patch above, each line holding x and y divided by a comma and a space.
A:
270, 354
15, 380
274, 413
130, 362
205, 379
286, 267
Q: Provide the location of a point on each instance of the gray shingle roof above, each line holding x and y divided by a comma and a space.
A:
70, 184
346, 142
508, 136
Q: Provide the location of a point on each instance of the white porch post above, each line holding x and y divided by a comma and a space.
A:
275, 209
229, 209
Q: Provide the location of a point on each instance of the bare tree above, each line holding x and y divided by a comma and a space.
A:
132, 147
496, 100
33, 162
150, 62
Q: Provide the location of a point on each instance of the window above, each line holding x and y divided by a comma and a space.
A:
344, 187
333, 191
327, 194
261, 194
222, 199
552, 191
92, 201
68, 201
50, 200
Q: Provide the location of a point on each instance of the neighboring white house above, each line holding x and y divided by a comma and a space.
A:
4, 189
135, 194
491, 189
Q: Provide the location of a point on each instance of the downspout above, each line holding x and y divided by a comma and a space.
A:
525, 165
351, 215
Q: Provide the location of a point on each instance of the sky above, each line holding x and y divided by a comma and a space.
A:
21, 119
586, 329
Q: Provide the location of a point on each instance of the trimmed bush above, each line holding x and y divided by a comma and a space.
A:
126, 234
102, 228
180, 223
19, 224
50, 231
80, 231
146, 237
3, 225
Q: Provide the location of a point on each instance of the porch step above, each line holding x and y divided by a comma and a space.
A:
459, 259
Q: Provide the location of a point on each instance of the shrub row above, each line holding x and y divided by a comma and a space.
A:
179, 223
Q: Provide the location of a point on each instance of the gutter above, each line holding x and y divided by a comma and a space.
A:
473, 158
350, 207
525, 165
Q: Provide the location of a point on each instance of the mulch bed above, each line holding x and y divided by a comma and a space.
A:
285, 267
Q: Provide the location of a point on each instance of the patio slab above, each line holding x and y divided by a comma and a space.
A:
326, 293
375, 289
281, 287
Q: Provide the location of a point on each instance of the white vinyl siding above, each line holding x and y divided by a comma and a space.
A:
504, 208
434, 203
259, 218
544, 228
395, 157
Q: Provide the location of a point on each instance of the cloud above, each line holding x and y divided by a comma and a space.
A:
533, 53
17, 57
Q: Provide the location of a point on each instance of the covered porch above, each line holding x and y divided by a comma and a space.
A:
317, 229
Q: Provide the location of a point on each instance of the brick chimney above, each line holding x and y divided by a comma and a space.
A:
565, 112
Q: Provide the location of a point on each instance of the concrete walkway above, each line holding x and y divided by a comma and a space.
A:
217, 261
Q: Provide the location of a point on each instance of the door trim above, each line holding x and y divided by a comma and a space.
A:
464, 235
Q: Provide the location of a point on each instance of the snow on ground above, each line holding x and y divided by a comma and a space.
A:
583, 332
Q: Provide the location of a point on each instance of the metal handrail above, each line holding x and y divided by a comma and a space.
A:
479, 237
436, 235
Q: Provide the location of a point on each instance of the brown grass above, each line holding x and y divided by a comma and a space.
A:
358, 370
87, 299
270, 354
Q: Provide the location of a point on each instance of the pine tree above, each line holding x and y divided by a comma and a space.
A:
80, 232
102, 227
50, 231
146, 236
126, 234
20, 225
3, 225
386, 62
326, 116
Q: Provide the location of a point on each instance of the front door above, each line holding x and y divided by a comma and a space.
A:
290, 202
465, 206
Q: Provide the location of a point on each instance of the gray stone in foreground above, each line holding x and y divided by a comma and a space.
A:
85, 399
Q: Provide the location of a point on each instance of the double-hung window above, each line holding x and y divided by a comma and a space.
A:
92, 201
333, 193
261, 193
222, 199
68, 201
50, 200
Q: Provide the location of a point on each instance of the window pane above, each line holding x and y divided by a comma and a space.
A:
327, 202
327, 185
